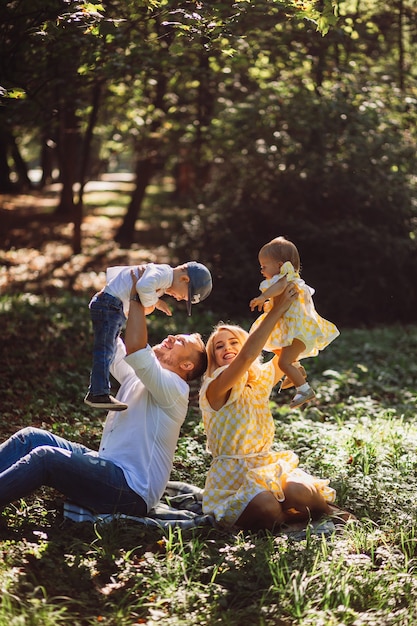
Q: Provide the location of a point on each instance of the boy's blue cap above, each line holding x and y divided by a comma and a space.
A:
200, 284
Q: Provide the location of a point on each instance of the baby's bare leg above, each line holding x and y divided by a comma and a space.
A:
288, 356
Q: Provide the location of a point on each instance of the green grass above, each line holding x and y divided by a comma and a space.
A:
361, 434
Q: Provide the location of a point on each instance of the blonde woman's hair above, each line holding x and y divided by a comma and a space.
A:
280, 249
241, 335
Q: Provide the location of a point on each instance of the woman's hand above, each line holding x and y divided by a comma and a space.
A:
287, 297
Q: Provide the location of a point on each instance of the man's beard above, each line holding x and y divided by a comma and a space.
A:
164, 356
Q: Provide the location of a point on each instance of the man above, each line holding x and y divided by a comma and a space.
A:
129, 472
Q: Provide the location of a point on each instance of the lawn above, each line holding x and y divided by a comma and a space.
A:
361, 434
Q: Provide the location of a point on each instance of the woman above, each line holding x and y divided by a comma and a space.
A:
249, 485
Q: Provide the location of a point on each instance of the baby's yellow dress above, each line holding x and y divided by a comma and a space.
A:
239, 438
301, 321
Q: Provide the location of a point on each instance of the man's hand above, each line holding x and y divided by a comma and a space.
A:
135, 277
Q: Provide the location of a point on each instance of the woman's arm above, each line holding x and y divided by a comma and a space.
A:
218, 390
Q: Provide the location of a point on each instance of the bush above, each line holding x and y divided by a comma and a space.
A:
334, 174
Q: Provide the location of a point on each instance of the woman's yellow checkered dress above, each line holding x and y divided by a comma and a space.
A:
239, 437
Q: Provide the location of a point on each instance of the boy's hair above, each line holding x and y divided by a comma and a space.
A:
241, 335
280, 249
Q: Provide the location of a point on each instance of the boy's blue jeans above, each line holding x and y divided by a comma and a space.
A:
33, 457
108, 320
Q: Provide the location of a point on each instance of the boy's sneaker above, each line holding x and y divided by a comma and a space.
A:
104, 402
301, 397
286, 382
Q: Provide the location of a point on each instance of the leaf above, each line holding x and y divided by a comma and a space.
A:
16, 93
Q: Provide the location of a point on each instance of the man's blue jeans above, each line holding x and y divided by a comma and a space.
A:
108, 319
33, 457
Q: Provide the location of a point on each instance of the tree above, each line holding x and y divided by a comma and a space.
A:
314, 153
181, 69
45, 45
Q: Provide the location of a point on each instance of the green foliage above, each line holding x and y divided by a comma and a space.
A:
47, 349
361, 435
330, 167
280, 130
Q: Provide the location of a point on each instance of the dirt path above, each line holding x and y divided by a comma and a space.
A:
35, 248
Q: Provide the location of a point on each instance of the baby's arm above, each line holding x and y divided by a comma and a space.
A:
272, 292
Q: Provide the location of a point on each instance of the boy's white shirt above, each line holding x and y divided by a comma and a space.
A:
142, 440
155, 280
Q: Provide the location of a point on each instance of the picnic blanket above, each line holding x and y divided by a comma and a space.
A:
181, 506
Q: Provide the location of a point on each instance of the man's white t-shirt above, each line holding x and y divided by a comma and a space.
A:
142, 439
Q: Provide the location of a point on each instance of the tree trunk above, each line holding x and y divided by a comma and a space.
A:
145, 166
401, 72
68, 157
144, 169
24, 182
205, 106
143, 172
85, 157
6, 185
47, 162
